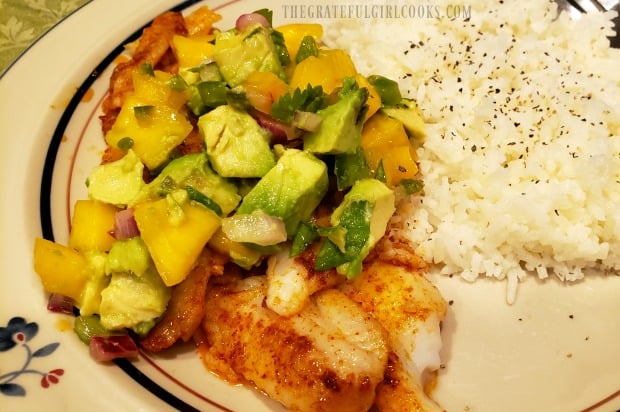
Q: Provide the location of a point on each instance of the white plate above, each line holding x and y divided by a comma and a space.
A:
556, 349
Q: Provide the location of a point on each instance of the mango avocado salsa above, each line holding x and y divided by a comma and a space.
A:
256, 139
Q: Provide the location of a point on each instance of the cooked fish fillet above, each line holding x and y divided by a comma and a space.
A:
395, 291
329, 357
186, 306
292, 280
401, 391
153, 47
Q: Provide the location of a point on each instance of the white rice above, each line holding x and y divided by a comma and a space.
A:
521, 164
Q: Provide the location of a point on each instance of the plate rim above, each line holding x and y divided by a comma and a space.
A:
6, 72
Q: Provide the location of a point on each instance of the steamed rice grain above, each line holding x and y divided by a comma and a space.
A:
521, 163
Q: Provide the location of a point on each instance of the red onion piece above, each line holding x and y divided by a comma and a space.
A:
107, 348
60, 303
125, 225
280, 132
246, 20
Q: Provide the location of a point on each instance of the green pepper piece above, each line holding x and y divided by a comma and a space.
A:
195, 103
203, 199
388, 89
177, 83
307, 48
306, 234
213, 94
144, 115
125, 143
88, 326
147, 68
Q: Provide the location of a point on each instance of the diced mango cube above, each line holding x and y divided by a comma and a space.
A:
328, 70
398, 164
374, 99
384, 140
154, 90
91, 224
238, 252
155, 132
62, 270
191, 51
295, 32
262, 89
175, 246
382, 130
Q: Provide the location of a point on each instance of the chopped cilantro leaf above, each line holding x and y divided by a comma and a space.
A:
266, 13
354, 227
308, 100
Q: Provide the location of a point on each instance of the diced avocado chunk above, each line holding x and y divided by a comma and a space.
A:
341, 128
205, 71
238, 54
380, 196
236, 145
291, 190
118, 182
408, 113
357, 225
132, 302
90, 299
193, 171
129, 255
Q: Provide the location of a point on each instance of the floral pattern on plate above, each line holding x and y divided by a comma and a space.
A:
19, 333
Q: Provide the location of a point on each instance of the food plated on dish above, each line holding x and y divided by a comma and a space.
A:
247, 176
230, 286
